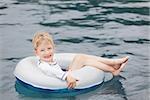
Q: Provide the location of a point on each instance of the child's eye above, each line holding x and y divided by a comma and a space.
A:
42, 50
49, 48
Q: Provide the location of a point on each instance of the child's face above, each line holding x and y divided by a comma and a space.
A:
45, 51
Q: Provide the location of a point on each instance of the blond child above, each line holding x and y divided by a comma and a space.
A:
44, 49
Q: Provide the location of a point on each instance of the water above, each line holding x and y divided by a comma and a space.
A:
107, 28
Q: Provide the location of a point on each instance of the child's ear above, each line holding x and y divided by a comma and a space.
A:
35, 52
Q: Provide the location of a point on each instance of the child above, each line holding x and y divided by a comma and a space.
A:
44, 49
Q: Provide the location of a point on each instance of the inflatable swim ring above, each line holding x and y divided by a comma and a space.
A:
28, 73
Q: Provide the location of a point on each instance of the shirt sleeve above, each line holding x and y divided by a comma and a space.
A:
60, 73
53, 70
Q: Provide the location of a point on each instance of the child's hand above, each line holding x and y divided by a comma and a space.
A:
71, 82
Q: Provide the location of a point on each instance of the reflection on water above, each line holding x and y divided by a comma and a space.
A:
107, 28
114, 87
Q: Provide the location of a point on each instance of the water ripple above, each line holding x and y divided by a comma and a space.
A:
141, 10
9, 24
138, 41
2, 14
129, 53
13, 59
78, 6
109, 55
90, 38
79, 40
71, 40
107, 44
30, 40
69, 23
3, 7
127, 22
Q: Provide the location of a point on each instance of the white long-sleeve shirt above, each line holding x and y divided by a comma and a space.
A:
52, 69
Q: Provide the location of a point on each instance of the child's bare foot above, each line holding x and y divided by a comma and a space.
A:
120, 62
116, 67
115, 73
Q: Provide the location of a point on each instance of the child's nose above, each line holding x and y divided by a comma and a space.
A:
46, 51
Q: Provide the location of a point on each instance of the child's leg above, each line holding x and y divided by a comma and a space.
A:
111, 62
80, 60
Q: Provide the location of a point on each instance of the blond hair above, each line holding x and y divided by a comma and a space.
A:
41, 36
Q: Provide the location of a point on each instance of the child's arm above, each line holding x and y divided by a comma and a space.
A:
71, 81
48, 70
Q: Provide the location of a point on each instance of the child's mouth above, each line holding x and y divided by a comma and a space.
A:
47, 57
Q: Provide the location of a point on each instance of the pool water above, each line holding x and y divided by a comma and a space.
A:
107, 28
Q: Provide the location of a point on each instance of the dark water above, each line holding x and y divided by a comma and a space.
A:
107, 28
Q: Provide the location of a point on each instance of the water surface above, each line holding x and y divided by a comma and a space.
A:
107, 28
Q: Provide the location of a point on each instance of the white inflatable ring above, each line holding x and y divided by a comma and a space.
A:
27, 71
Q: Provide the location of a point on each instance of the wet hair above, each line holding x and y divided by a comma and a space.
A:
42, 36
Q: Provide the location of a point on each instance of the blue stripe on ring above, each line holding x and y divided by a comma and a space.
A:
63, 76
